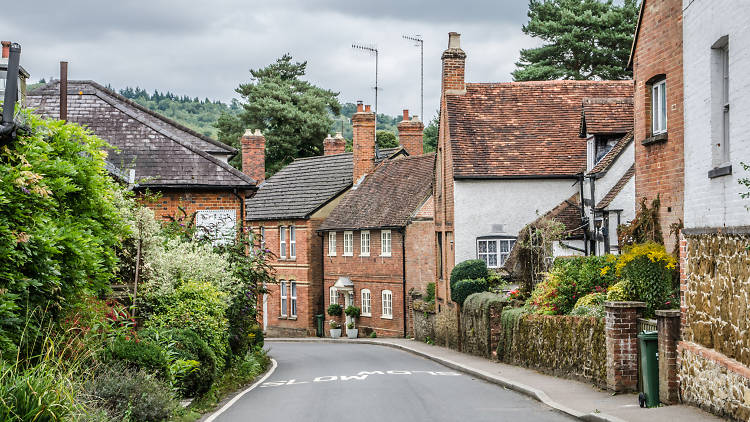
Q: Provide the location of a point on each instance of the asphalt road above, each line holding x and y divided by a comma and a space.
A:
362, 382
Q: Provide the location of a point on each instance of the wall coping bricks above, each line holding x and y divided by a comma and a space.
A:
716, 357
609, 304
668, 313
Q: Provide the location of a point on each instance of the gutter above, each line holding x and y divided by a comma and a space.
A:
518, 177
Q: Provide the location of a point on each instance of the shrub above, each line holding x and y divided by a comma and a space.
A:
335, 325
201, 307
430, 294
39, 393
139, 354
350, 325
352, 311
334, 309
462, 289
182, 347
373, 334
131, 395
472, 269
591, 299
589, 310
619, 292
509, 321
649, 270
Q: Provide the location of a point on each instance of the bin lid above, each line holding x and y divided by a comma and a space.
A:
648, 335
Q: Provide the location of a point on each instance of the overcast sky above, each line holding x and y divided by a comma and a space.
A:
205, 48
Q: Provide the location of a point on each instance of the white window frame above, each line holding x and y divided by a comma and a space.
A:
331, 243
348, 244
283, 297
500, 256
262, 237
282, 242
366, 302
720, 102
364, 243
292, 242
659, 107
293, 299
333, 296
385, 243
386, 302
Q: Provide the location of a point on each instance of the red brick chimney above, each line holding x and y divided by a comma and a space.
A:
254, 155
454, 63
363, 142
334, 145
6, 49
410, 134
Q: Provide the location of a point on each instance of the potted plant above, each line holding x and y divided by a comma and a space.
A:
352, 312
335, 328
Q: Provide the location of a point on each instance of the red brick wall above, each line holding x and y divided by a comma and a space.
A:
444, 206
659, 167
363, 143
334, 145
453, 65
304, 269
254, 155
376, 273
420, 258
168, 204
410, 135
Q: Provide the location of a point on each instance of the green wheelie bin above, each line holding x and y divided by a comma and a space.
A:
649, 348
319, 318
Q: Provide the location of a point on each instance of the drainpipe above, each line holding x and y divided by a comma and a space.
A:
593, 214
64, 91
403, 261
583, 217
8, 124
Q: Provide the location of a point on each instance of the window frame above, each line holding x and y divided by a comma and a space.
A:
283, 297
720, 107
659, 122
366, 310
293, 298
333, 296
263, 237
386, 301
292, 242
364, 234
500, 257
331, 243
282, 242
386, 238
350, 235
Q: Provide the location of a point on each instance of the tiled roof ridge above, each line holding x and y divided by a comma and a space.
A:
140, 108
612, 155
617, 188
554, 82
608, 100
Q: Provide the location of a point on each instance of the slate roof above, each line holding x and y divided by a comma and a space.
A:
607, 115
162, 152
616, 189
522, 129
387, 198
305, 185
611, 156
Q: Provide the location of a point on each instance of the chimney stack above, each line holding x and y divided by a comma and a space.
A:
334, 145
410, 134
454, 64
363, 123
254, 155
6, 49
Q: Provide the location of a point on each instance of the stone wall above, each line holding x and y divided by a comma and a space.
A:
716, 293
423, 319
567, 346
446, 328
480, 323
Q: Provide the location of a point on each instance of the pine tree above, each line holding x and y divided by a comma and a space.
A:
583, 39
293, 114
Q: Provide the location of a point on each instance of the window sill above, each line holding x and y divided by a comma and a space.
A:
386, 317
347, 254
364, 255
283, 317
292, 318
655, 139
331, 255
720, 171
367, 315
386, 255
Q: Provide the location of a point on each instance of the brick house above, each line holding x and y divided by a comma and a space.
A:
513, 143
378, 240
189, 171
286, 212
714, 352
656, 61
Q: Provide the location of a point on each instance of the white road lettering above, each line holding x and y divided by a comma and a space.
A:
371, 373
361, 376
399, 372
353, 377
326, 378
292, 382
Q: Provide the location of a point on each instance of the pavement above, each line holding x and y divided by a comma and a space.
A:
569, 397
322, 381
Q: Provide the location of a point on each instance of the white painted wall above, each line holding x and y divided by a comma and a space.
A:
715, 202
480, 204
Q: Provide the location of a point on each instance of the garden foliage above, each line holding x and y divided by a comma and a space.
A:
648, 270
464, 288
471, 269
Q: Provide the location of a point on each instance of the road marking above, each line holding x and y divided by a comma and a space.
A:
361, 376
239, 396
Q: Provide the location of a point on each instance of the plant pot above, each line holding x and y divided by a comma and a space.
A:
352, 332
335, 332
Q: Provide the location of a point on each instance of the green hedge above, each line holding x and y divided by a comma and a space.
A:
462, 289
472, 269
139, 354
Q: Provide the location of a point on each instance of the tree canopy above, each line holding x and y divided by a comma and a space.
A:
583, 39
294, 115
431, 134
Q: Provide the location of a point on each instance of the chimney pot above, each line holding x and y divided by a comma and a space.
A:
248, 132
257, 133
339, 135
367, 108
410, 134
406, 115
359, 107
6, 49
454, 40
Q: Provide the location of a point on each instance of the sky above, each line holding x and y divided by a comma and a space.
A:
205, 48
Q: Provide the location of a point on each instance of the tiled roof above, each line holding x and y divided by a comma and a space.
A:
522, 129
163, 153
611, 156
604, 203
568, 212
303, 186
607, 115
386, 198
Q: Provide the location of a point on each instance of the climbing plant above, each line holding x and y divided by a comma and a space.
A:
532, 253
644, 227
